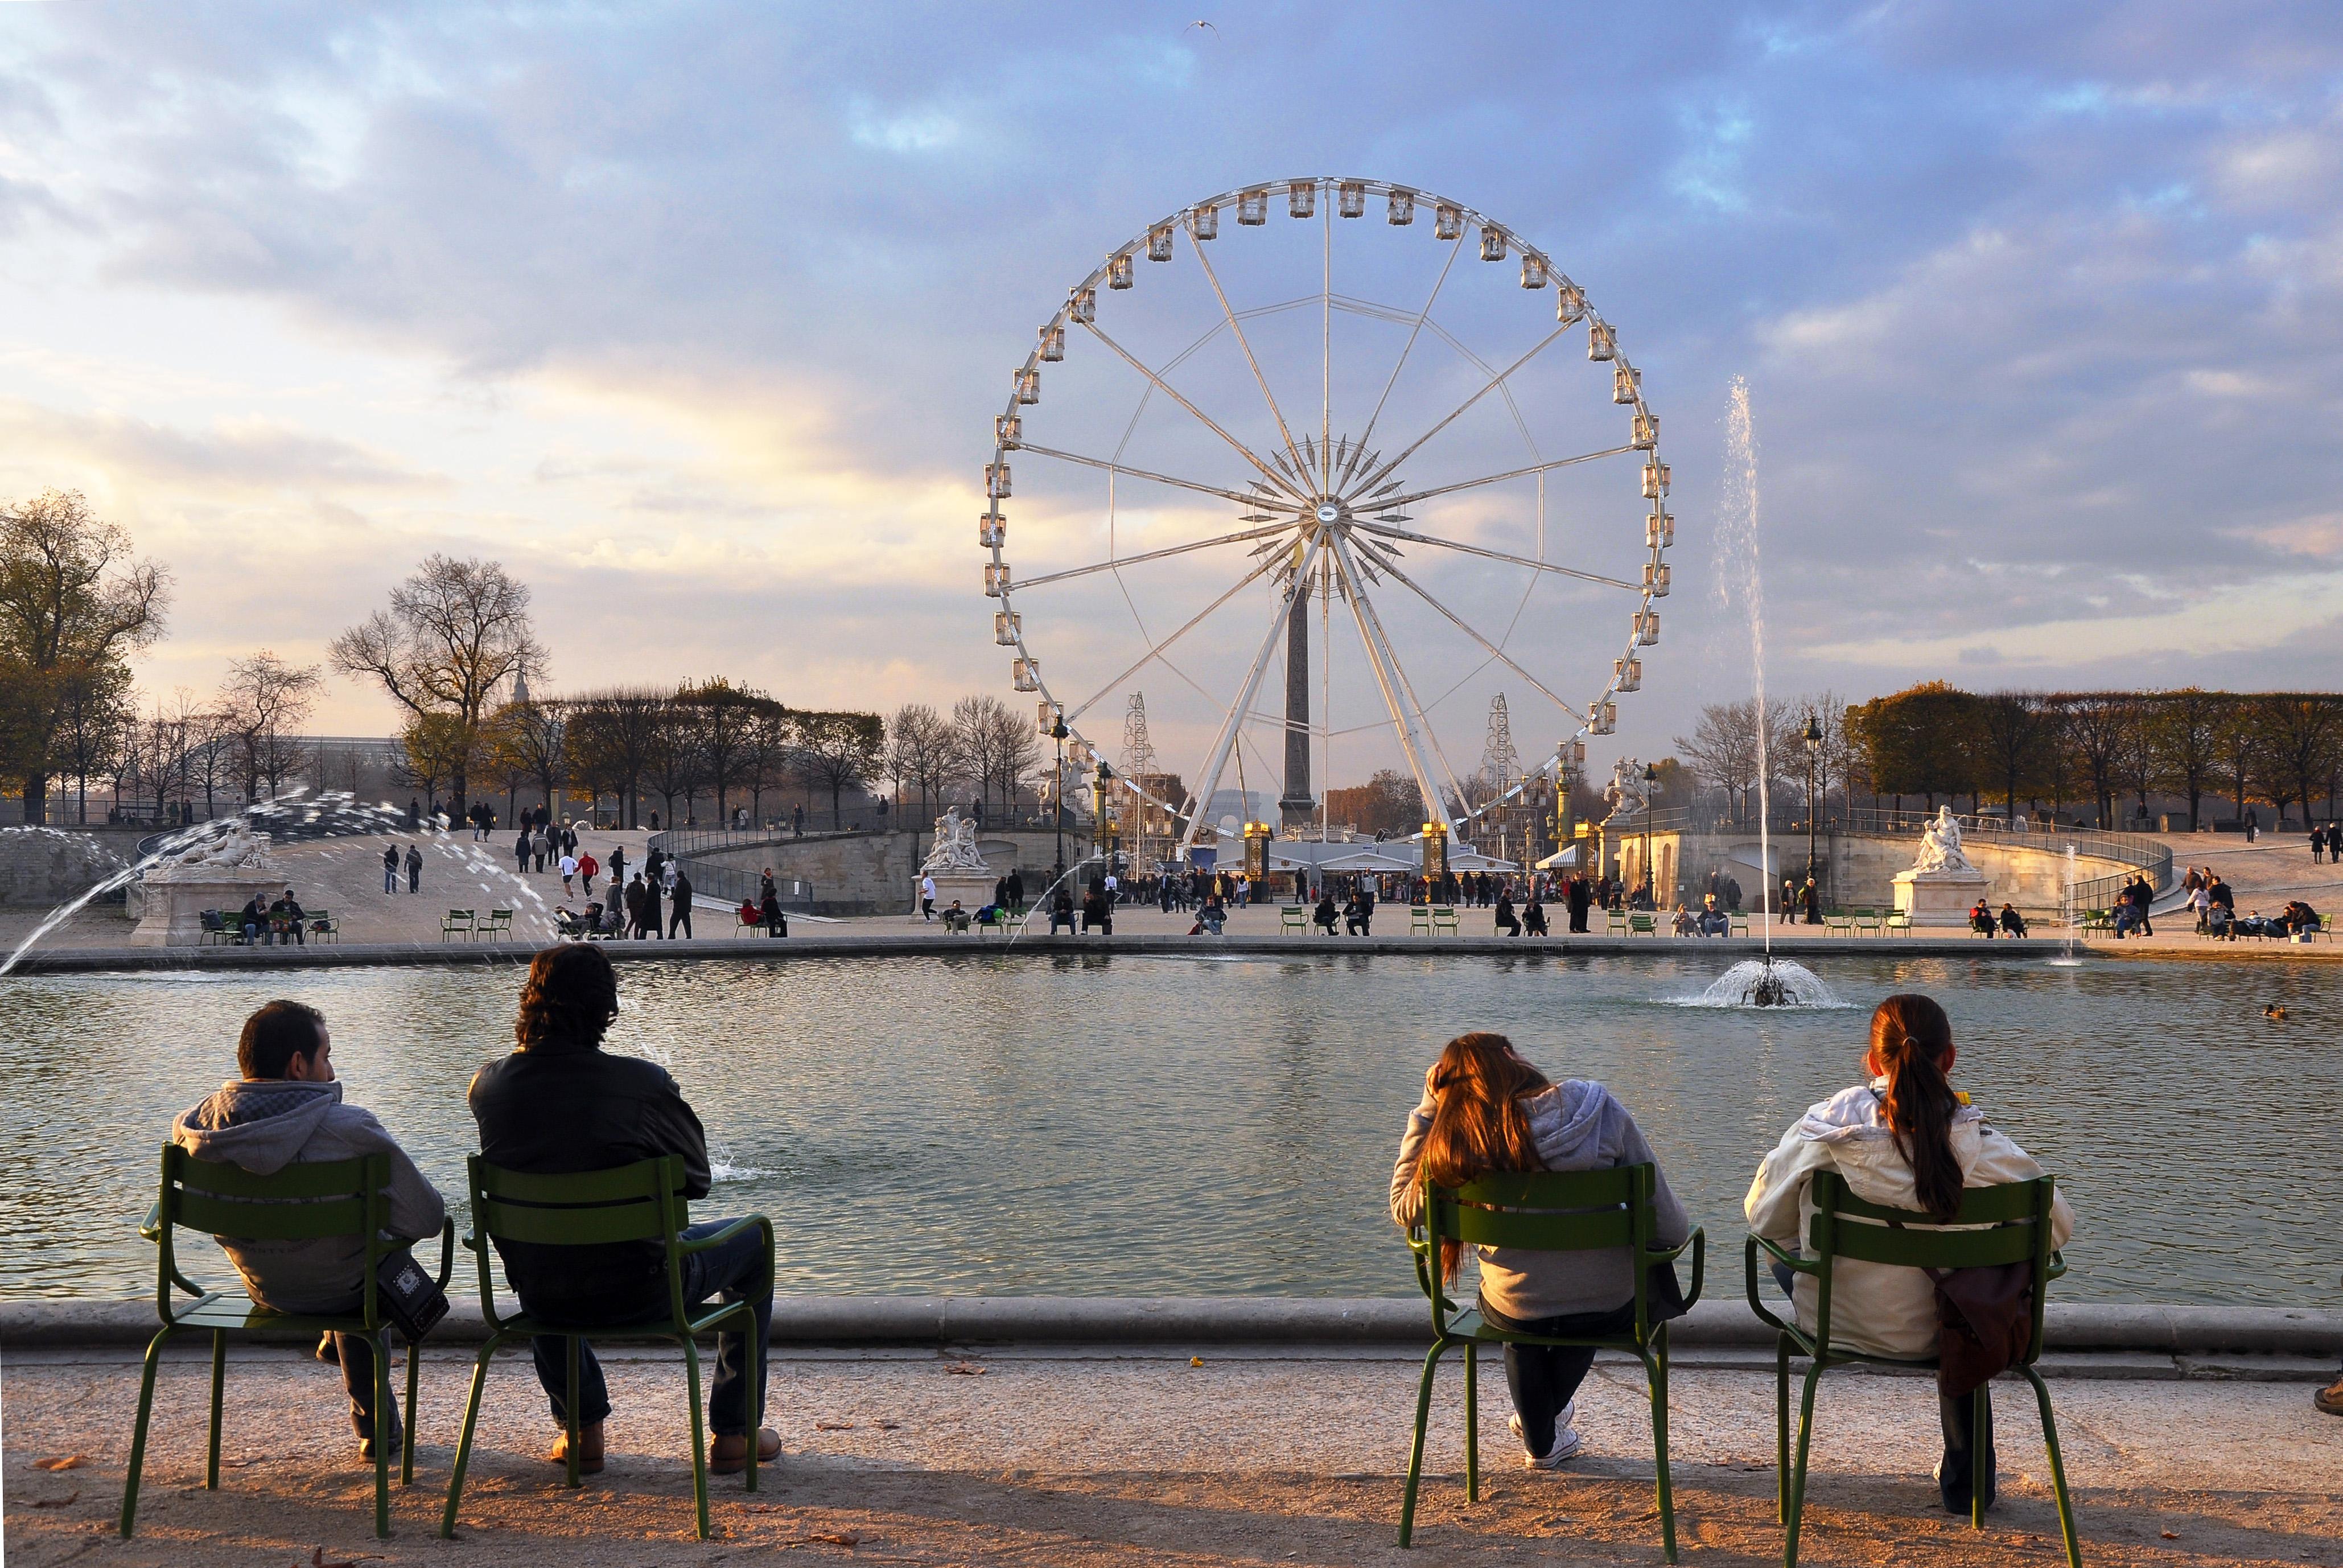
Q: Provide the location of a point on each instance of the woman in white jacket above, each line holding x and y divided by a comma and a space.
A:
1904, 1140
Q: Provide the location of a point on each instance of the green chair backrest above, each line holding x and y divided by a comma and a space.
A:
2009, 1223
639, 1203
1547, 1212
306, 1201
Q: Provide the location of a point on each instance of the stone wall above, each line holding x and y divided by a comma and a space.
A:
43, 867
874, 873
1860, 867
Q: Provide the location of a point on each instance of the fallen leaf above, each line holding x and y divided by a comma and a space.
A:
889, 1425
764, 1508
56, 1501
1654, 1514
833, 1426
62, 1461
2172, 1535
841, 1539
964, 1368
1195, 1361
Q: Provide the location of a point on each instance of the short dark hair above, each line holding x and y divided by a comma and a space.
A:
275, 1035
569, 1001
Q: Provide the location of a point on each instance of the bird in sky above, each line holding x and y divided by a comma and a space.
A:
1193, 25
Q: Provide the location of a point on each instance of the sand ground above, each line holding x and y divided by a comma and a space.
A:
1055, 1457
345, 877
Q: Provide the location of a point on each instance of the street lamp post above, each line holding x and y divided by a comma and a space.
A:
1814, 756
1058, 732
1650, 882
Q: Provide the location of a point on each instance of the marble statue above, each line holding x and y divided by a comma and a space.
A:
955, 847
1624, 793
1940, 846
237, 849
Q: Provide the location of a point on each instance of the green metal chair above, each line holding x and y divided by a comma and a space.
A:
2013, 1226
637, 1202
306, 1201
458, 922
1444, 918
1615, 923
1552, 1211
1643, 925
1419, 920
498, 924
1292, 917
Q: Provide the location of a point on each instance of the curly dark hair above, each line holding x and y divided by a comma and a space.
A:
569, 1001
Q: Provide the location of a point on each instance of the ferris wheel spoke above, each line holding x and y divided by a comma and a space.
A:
1399, 697
1406, 349
1494, 651
1386, 530
1384, 470
1210, 780
1132, 473
1155, 651
1247, 453
1394, 502
1122, 561
1292, 450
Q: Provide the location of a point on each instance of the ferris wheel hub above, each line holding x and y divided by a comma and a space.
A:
1328, 512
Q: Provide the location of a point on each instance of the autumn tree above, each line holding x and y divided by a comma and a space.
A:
74, 606
838, 751
455, 634
732, 722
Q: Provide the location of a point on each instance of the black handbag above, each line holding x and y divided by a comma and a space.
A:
407, 1296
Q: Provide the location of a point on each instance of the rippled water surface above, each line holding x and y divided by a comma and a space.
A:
1122, 1125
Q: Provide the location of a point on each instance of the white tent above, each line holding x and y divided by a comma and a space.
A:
1562, 860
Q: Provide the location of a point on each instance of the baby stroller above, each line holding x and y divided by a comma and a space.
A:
571, 927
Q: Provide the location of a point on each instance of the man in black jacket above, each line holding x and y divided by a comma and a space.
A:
560, 1104
680, 909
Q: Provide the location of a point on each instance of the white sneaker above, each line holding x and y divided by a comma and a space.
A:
1566, 1441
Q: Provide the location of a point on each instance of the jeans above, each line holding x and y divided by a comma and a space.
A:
730, 1272
1542, 1378
355, 1353
1964, 1445
390, 879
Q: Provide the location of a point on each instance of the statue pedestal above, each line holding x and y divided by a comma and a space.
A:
973, 889
1939, 897
175, 906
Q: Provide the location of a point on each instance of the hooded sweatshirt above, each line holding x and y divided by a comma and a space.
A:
266, 1124
1877, 1309
1574, 1125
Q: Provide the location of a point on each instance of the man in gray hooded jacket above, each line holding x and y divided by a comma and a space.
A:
285, 1108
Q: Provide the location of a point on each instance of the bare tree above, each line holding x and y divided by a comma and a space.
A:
455, 634
920, 754
730, 719
1722, 747
530, 740
73, 605
263, 703
2186, 727
676, 762
1016, 750
93, 712
611, 738
836, 751
766, 758
2299, 733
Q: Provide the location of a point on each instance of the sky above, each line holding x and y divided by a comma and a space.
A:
697, 316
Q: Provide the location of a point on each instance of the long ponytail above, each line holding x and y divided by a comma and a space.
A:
1910, 1036
1478, 1124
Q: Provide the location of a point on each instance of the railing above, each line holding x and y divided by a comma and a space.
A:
730, 883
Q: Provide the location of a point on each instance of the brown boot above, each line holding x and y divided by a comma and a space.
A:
590, 1449
728, 1455
2330, 1398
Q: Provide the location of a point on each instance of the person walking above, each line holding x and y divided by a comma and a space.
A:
520, 852
390, 868
927, 898
618, 865
1581, 899
414, 869
537, 848
642, 908
679, 906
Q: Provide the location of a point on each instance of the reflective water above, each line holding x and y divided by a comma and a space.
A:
1099, 1126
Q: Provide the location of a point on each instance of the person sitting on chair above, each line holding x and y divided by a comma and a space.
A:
1485, 1108
1062, 912
287, 1109
1214, 915
2012, 921
559, 1105
1713, 921
777, 924
1905, 1139
1981, 918
955, 918
1325, 913
750, 915
284, 918
1359, 917
254, 921
1533, 917
1097, 912
1507, 921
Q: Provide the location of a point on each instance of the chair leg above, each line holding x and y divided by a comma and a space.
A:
1656, 1370
1472, 1423
414, 1371
1798, 1472
383, 1406
1981, 1451
464, 1438
138, 1433
700, 1437
569, 1413
756, 1384
2058, 1468
1782, 1429
219, 1387
1415, 1454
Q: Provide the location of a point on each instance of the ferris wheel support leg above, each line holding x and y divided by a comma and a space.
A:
1410, 741
1226, 740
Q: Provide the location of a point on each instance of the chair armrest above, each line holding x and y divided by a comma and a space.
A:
1780, 1256
2058, 1267
151, 1227
447, 1251
726, 1234
1698, 1241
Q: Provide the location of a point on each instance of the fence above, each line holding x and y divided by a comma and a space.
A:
730, 883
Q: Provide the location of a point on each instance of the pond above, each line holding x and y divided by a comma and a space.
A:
1112, 1125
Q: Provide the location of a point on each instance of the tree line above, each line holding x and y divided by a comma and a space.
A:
2039, 752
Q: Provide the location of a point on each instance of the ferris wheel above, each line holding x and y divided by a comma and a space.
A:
1464, 512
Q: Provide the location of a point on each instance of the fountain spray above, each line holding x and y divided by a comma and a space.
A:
1736, 543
